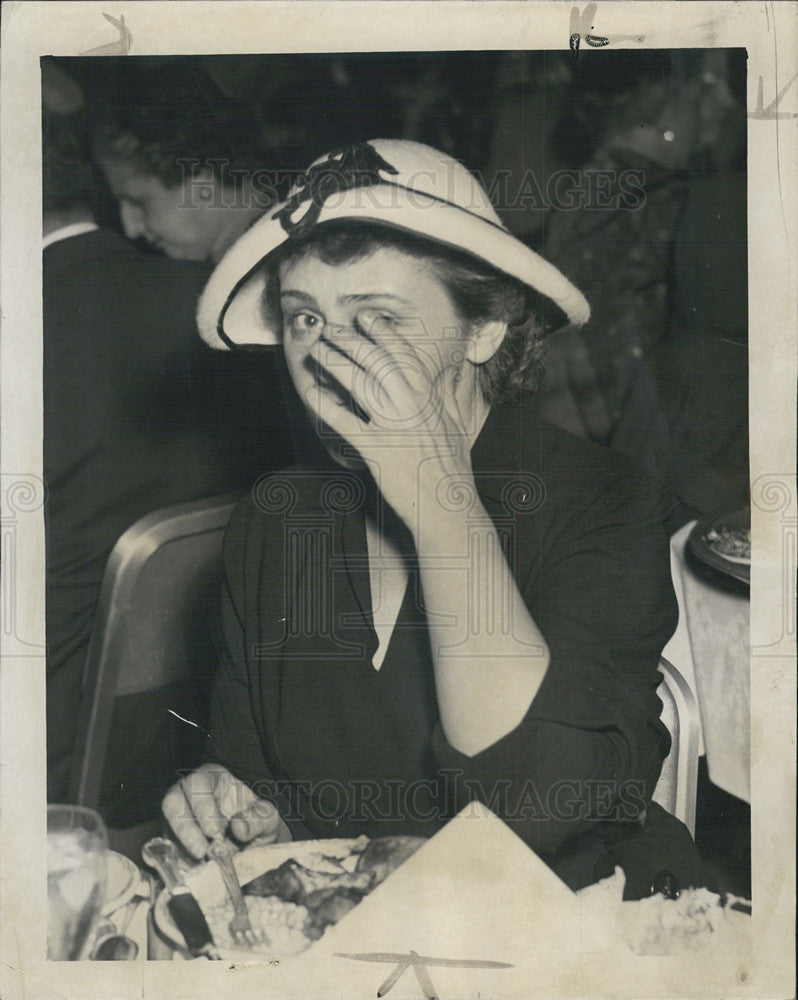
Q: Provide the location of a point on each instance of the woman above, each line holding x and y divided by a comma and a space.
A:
467, 603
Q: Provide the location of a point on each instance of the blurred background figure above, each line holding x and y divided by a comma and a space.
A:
138, 413
661, 370
706, 360
180, 160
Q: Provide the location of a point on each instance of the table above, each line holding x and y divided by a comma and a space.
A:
477, 913
711, 648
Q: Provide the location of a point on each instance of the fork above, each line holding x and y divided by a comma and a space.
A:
240, 926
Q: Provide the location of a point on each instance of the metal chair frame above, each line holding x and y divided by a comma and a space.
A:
105, 679
678, 783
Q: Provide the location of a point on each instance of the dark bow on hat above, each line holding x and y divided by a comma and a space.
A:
344, 169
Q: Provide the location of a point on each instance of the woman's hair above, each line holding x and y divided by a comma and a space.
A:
176, 130
478, 293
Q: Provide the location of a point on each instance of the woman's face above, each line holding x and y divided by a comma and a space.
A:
173, 219
337, 304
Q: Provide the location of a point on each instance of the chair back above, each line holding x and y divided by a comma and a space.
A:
152, 655
678, 781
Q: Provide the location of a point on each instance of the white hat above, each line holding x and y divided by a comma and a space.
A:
395, 183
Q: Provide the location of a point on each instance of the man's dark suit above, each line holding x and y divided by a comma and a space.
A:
138, 414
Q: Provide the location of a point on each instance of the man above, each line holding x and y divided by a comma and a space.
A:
182, 162
138, 413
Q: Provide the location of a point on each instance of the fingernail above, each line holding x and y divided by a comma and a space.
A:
250, 822
367, 319
262, 809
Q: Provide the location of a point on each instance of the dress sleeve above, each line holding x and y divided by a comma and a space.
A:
591, 746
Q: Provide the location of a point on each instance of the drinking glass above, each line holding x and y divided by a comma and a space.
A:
77, 848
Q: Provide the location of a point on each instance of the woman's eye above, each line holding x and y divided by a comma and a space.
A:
303, 323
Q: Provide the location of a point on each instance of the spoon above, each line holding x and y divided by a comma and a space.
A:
116, 948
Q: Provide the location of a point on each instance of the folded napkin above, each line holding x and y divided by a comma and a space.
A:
484, 917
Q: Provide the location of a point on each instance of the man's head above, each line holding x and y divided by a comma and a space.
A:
179, 160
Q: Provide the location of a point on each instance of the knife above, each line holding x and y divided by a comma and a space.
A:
162, 855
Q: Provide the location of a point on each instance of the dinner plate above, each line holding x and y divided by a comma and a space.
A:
703, 549
122, 882
251, 862
169, 931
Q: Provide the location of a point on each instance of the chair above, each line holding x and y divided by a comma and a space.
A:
679, 648
151, 654
678, 781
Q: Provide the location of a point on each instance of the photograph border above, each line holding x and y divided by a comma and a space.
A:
769, 32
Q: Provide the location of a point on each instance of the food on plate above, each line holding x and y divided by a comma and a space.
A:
383, 855
731, 543
312, 885
328, 906
323, 893
293, 881
660, 926
285, 924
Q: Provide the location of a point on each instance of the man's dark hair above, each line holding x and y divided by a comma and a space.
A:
478, 293
173, 124
66, 170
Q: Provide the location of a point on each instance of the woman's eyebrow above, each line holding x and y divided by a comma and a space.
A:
295, 293
367, 296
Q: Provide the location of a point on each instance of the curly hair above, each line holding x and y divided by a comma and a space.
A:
478, 292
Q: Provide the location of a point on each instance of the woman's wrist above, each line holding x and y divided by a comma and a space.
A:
446, 508
449, 534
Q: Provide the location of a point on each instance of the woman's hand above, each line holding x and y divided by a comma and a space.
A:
416, 418
209, 802
416, 425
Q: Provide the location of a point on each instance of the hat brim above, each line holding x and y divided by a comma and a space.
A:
231, 311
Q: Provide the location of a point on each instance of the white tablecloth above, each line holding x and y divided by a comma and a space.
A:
711, 649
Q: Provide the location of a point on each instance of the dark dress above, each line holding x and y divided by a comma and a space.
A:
138, 414
300, 712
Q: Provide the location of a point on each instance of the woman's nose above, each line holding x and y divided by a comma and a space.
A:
347, 332
132, 220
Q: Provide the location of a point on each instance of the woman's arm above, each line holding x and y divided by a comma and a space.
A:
488, 653
591, 746
417, 437
559, 698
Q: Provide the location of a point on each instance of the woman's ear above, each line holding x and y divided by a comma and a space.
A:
485, 340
